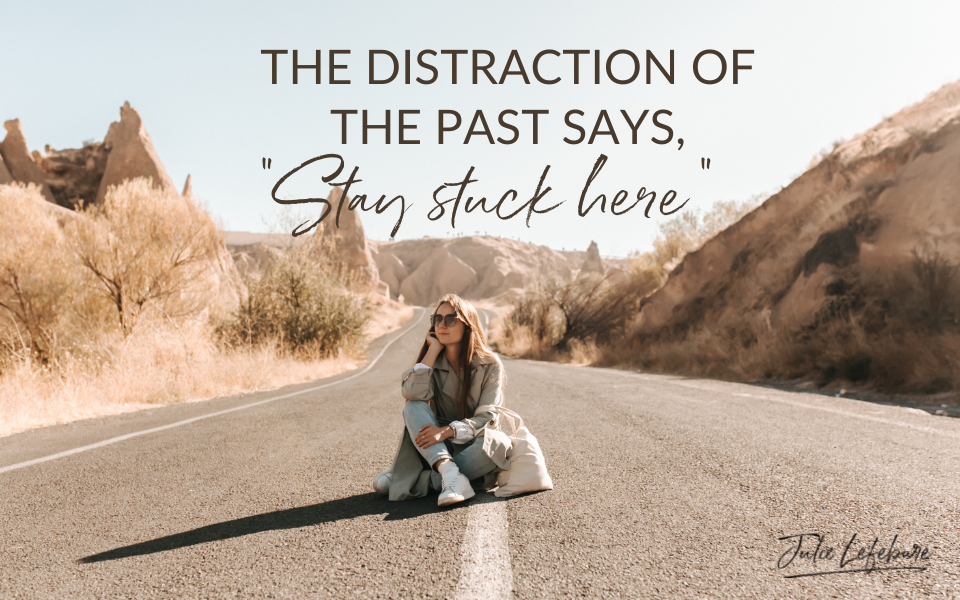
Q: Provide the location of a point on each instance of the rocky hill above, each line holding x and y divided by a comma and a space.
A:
71, 177
475, 267
419, 271
865, 243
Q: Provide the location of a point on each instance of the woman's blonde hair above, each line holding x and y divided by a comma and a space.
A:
473, 342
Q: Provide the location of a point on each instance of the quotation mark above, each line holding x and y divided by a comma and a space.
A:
267, 162
704, 163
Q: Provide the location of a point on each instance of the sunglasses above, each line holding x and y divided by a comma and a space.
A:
447, 320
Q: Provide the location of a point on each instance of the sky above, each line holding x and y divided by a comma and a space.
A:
820, 71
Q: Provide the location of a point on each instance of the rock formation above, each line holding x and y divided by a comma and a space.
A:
592, 262
253, 252
391, 269
5, 176
131, 154
419, 271
70, 176
250, 259
442, 273
348, 241
476, 267
230, 288
839, 238
73, 174
18, 160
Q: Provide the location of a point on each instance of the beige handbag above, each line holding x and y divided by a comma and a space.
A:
527, 470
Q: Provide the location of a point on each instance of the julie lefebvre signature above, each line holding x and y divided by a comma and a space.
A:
813, 555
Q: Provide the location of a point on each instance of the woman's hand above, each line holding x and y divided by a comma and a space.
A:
433, 343
430, 434
434, 348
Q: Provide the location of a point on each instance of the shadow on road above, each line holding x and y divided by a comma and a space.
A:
291, 518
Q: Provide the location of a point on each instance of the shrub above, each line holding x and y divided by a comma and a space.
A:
146, 248
302, 302
534, 313
937, 277
596, 309
108, 308
591, 309
690, 230
34, 274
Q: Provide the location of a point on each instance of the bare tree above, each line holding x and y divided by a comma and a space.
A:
591, 307
147, 248
597, 306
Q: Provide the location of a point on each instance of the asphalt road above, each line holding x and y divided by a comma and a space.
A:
665, 487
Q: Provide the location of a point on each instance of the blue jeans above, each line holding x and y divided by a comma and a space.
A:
469, 458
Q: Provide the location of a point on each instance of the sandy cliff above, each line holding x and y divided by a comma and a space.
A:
841, 241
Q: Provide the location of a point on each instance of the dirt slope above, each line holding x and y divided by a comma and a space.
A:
841, 242
858, 214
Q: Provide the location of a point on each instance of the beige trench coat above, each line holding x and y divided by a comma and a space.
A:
411, 479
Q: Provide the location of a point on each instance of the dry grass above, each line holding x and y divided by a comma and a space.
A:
385, 315
521, 342
896, 331
575, 321
102, 313
840, 353
148, 368
162, 366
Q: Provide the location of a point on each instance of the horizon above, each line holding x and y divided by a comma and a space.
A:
368, 238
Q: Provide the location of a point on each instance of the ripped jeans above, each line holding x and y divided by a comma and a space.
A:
469, 458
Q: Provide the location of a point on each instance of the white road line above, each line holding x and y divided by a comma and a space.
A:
829, 409
414, 322
846, 413
772, 398
485, 572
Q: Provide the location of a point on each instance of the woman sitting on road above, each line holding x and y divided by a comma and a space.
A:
448, 393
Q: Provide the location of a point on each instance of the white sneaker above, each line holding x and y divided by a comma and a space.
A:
458, 491
381, 484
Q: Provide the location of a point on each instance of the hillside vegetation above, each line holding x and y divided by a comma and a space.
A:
577, 319
134, 302
846, 278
